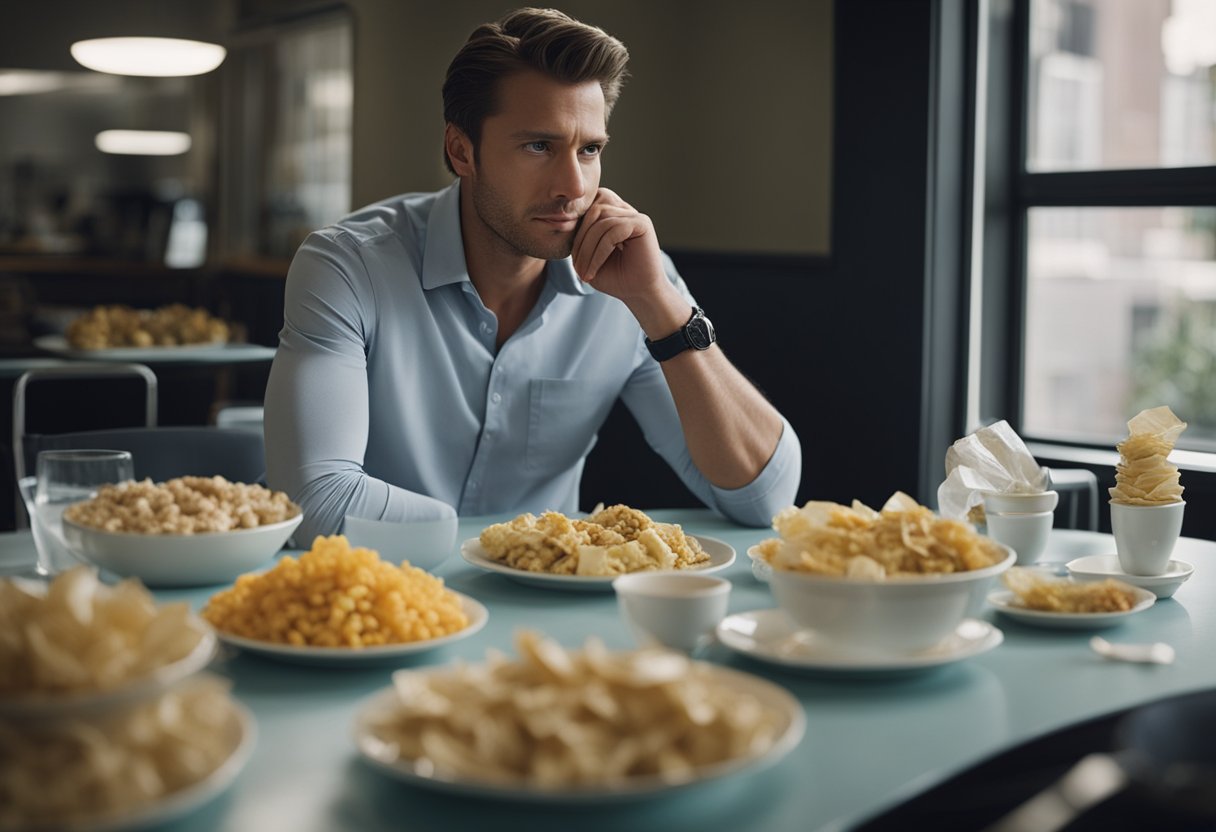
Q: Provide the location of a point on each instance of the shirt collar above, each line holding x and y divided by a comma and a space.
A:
443, 260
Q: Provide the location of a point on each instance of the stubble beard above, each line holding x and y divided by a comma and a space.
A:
495, 213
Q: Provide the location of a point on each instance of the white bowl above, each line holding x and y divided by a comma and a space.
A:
180, 559
899, 614
1020, 503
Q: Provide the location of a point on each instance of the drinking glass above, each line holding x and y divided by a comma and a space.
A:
63, 478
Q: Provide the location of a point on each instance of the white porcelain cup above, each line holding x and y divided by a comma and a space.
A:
1145, 535
996, 503
672, 609
1025, 534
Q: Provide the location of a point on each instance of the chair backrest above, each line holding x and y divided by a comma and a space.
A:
1078, 490
249, 417
164, 453
72, 372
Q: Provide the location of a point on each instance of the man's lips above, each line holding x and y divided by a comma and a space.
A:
560, 222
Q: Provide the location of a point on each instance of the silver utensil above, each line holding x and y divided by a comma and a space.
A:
1092, 780
1156, 653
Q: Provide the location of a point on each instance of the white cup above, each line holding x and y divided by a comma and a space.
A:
672, 609
1145, 535
998, 503
1025, 534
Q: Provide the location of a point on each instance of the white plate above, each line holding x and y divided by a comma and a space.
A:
45, 706
164, 560
383, 756
761, 569
1101, 567
372, 656
721, 555
59, 345
1003, 600
771, 636
182, 802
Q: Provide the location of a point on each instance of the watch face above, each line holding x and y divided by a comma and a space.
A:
700, 333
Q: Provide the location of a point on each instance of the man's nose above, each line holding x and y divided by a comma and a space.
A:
569, 178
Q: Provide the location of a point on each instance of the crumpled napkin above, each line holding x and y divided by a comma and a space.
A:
993, 459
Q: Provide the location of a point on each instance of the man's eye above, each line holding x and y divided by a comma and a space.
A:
593, 149
537, 147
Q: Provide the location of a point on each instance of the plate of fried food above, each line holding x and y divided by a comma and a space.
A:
126, 768
575, 726
338, 605
77, 646
1048, 601
122, 333
554, 551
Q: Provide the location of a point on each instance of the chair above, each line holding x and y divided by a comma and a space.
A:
159, 454
1078, 490
75, 413
249, 417
74, 372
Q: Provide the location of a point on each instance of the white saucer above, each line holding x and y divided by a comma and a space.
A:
770, 636
1005, 603
1100, 567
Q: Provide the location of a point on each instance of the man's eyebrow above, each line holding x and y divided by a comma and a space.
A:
541, 136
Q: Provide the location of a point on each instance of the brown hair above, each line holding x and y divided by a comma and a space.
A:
544, 40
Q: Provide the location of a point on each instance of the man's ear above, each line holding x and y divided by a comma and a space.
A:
459, 148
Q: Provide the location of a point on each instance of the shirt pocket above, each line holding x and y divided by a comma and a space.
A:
563, 419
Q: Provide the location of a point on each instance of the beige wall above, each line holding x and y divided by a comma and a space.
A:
722, 135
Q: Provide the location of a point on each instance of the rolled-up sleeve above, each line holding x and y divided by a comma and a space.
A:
316, 409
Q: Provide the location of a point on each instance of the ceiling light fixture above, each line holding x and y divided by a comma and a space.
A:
160, 57
143, 142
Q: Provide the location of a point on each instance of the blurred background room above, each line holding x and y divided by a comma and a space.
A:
907, 218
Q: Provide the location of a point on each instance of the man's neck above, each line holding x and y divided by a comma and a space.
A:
507, 282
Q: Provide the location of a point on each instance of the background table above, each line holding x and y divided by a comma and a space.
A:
869, 742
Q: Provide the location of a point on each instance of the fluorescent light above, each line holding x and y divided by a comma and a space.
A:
163, 57
143, 142
29, 81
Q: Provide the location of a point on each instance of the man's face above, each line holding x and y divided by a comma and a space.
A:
538, 168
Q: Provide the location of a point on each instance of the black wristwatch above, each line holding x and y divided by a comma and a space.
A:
697, 334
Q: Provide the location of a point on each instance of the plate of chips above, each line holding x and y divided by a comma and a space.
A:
616, 726
92, 772
86, 647
721, 555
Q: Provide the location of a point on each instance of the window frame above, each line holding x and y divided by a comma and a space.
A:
1011, 190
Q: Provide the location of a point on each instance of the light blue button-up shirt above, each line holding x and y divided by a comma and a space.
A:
388, 398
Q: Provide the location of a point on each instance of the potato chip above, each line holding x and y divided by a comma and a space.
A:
558, 718
1144, 476
82, 635
858, 542
1037, 592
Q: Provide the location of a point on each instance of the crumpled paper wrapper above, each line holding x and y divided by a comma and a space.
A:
1144, 475
993, 459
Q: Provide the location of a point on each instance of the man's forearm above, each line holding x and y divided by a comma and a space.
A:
730, 429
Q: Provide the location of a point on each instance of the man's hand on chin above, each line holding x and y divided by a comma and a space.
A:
616, 250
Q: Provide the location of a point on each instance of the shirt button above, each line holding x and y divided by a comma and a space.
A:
496, 398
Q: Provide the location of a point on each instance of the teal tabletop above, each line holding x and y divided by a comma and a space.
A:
872, 739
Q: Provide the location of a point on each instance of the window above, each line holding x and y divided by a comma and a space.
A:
288, 107
1109, 281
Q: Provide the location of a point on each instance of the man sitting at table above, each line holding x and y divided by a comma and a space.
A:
457, 352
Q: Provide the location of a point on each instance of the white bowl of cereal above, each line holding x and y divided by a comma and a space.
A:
896, 581
189, 531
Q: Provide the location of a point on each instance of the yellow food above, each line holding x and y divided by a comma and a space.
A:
80, 635
336, 596
1144, 476
556, 718
184, 505
1039, 593
905, 538
121, 326
611, 541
